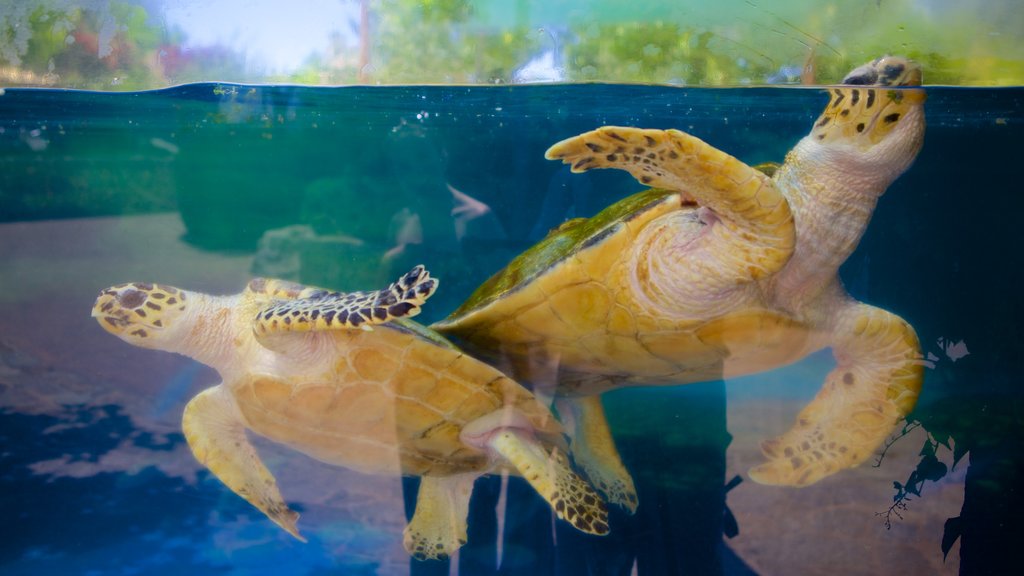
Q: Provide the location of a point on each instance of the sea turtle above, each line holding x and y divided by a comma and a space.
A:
719, 271
303, 367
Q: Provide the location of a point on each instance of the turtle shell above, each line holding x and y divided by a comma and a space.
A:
562, 244
392, 400
572, 300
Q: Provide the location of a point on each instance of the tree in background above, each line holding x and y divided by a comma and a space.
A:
103, 46
439, 41
125, 44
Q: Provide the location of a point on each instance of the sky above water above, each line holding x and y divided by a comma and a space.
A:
269, 32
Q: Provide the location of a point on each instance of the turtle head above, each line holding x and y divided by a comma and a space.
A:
873, 126
146, 315
163, 317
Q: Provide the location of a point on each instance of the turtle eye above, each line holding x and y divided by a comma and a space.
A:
131, 298
891, 74
861, 79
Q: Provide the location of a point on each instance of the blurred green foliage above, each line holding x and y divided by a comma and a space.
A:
111, 49
659, 52
437, 41
126, 45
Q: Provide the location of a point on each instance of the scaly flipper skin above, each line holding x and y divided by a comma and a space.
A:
593, 450
438, 527
874, 385
756, 217
215, 432
572, 499
313, 309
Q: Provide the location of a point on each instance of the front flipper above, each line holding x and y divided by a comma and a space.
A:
593, 450
215, 432
875, 385
438, 527
756, 215
572, 499
339, 310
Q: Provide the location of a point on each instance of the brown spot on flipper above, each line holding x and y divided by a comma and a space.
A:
582, 163
400, 309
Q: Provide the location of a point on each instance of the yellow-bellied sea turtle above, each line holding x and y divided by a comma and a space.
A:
303, 367
718, 271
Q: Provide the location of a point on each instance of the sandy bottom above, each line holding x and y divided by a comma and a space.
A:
54, 355
832, 527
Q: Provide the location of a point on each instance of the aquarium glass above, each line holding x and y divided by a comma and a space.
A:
201, 145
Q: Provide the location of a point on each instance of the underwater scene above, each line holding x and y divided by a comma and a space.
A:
794, 447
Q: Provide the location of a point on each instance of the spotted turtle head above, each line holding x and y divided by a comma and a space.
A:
875, 118
146, 315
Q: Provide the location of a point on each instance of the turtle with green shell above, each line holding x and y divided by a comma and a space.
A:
719, 270
349, 380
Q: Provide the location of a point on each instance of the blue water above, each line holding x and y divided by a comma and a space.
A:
203, 186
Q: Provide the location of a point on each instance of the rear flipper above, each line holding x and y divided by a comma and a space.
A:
593, 450
572, 499
438, 527
875, 385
